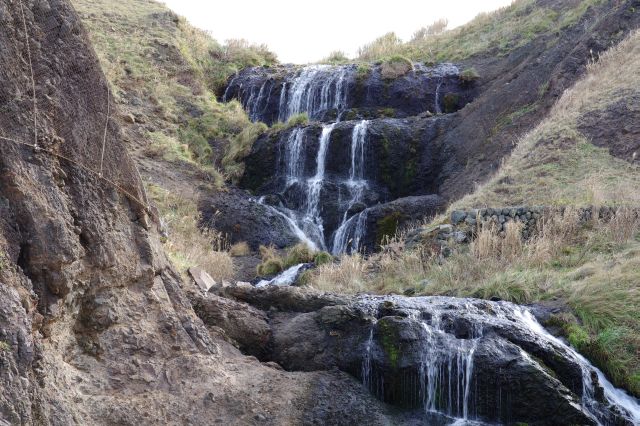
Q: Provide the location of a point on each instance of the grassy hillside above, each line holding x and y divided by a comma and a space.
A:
557, 163
163, 74
498, 32
593, 269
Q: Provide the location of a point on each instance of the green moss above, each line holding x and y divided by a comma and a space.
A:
469, 75
390, 342
4, 346
322, 258
451, 102
388, 226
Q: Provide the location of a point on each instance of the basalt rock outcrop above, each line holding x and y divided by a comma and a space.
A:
328, 93
438, 358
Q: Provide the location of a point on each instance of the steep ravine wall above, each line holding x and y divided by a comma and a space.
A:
95, 326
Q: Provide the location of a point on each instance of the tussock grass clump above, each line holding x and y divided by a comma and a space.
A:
187, 244
395, 66
239, 148
239, 249
336, 57
274, 262
301, 119
469, 75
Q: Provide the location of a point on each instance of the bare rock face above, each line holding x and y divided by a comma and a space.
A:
95, 327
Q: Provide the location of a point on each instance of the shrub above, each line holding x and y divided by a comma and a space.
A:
395, 67
239, 249
438, 27
301, 119
300, 253
336, 57
322, 258
469, 75
272, 262
381, 47
270, 267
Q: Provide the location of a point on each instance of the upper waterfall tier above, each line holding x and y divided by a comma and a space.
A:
337, 92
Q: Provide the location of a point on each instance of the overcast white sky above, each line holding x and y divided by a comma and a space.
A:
306, 31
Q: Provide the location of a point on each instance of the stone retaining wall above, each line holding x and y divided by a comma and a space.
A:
529, 216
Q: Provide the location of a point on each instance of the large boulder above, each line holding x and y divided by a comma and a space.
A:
451, 358
241, 217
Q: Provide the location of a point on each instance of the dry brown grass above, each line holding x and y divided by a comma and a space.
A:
239, 249
187, 244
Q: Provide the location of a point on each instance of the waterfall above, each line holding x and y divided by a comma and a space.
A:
317, 89
294, 160
438, 110
613, 395
286, 278
291, 220
312, 220
446, 372
356, 184
447, 385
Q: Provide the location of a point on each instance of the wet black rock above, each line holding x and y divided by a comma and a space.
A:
272, 94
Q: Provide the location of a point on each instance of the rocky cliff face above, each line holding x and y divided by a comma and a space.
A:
95, 327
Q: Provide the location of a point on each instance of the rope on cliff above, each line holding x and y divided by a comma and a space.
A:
129, 195
106, 126
33, 81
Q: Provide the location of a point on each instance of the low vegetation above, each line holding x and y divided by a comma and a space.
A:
186, 243
499, 32
555, 164
273, 262
395, 66
165, 73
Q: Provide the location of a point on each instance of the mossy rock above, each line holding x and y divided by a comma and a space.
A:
388, 226
390, 340
451, 101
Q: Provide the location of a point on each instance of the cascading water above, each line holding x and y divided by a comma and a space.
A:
446, 383
356, 184
312, 220
316, 90
308, 215
331, 210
